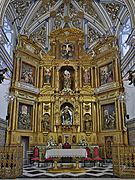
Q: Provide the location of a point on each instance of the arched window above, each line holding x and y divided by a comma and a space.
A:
124, 33
10, 36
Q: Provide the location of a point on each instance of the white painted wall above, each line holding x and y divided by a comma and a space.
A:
130, 99
4, 91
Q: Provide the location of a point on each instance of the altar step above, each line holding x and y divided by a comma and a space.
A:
90, 172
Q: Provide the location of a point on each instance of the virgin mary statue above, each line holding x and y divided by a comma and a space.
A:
66, 116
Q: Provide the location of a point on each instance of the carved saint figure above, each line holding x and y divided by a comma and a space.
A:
83, 142
27, 74
27, 77
47, 77
106, 74
24, 118
86, 76
67, 80
51, 142
109, 119
66, 116
88, 123
45, 123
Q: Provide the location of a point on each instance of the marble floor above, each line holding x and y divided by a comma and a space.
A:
33, 171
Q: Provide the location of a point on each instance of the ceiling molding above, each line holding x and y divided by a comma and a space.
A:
28, 17
123, 16
3, 7
131, 8
105, 15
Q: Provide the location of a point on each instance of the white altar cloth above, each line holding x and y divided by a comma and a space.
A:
66, 153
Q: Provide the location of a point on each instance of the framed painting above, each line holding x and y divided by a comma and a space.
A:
108, 116
25, 116
28, 73
106, 74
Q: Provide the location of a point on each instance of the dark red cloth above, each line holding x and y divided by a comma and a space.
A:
66, 146
36, 152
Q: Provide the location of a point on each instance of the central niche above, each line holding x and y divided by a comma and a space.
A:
67, 76
67, 114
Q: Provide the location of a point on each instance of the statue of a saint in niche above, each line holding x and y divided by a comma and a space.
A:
66, 116
24, 118
47, 77
88, 123
46, 123
86, 76
67, 80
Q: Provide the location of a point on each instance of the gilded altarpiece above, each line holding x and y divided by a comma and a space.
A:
69, 94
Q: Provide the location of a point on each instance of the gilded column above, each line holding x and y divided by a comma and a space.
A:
80, 77
117, 69
53, 128
14, 70
41, 76
76, 78
92, 79
36, 118
39, 119
94, 117
37, 78
53, 75
81, 114
125, 138
96, 79
18, 69
57, 79
15, 109
118, 114
99, 117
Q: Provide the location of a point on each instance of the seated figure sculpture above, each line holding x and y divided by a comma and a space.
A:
82, 142
51, 143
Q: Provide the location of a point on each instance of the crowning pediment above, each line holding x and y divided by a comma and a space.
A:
67, 33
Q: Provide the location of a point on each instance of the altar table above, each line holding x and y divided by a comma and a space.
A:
54, 153
59, 153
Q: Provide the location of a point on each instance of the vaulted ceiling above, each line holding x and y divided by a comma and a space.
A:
97, 18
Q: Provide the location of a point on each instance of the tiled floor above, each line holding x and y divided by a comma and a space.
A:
106, 171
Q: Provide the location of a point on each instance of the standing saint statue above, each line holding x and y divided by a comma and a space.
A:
45, 123
67, 80
86, 76
47, 77
66, 116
